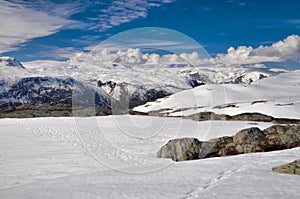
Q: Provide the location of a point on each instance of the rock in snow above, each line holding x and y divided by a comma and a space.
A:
181, 149
245, 141
290, 168
11, 62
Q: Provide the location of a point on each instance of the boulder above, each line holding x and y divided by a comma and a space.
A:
290, 168
249, 140
248, 136
219, 147
181, 149
281, 137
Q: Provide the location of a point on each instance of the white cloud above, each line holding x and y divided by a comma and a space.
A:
20, 22
132, 57
277, 52
242, 56
123, 11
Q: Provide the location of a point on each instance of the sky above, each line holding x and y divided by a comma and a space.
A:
261, 31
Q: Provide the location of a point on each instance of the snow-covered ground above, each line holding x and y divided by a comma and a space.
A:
277, 96
114, 157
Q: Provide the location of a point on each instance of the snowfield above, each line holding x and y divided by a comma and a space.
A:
277, 96
115, 157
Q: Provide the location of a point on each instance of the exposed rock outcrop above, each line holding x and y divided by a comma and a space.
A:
181, 149
258, 117
249, 140
132, 95
290, 168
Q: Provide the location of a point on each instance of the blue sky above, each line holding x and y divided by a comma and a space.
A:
53, 30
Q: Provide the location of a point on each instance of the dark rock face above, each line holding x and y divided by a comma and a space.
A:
241, 79
245, 141
290, 168
130, 96
142, 96
38, 91
34, 91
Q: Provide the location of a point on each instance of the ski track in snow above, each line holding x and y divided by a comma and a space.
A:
222, 176
96, 147
93, 146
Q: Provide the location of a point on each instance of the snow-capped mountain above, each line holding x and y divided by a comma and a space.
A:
133, 95
48, 90
11, 62
129, 85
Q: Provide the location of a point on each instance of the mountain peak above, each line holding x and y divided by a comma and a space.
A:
11, 62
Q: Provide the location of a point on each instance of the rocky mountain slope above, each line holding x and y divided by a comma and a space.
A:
37, 91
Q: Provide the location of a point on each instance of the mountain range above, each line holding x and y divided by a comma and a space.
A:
112, 86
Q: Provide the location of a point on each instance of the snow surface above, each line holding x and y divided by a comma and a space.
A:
278, 96
114, 157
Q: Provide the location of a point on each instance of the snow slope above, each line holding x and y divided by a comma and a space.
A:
114, 157
278, 96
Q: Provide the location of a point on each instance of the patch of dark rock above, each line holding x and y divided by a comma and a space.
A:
132, 112
51, 110
203, 116
253, 123
290, 168
255, 117
226, 106
258, 117
249, 140
259, 102
140, 97
287, 104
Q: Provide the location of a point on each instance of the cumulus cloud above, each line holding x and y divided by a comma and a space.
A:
123, 11
21, 21
131, 57
252, 57
277, 52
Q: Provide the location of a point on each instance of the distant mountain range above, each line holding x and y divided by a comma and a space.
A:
115, 86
